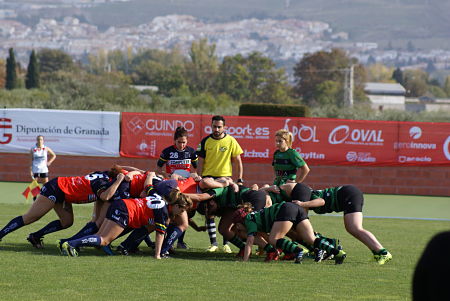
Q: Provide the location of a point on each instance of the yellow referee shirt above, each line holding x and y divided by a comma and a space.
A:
217, 154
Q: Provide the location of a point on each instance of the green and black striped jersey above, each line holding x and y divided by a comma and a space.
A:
332, 203
285, 165
226, 197
262, 220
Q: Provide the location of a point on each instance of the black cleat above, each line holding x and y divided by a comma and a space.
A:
37, 242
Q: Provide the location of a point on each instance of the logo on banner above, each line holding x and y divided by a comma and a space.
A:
164, 127
446, 148
147, 149
304, 133
246, 132
135, 125
360, 157
415, 132
407, 159
5, 123
343, 134
255, 154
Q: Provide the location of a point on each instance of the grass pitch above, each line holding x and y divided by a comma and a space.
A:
31, 274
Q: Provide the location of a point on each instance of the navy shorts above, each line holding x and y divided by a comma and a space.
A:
118, 213
291, 212
52, 191
351, 198
42, 175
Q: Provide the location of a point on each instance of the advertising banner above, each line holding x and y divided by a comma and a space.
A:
83, 133
319, 140
423, 143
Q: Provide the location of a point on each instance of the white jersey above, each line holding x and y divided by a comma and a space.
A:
39, 163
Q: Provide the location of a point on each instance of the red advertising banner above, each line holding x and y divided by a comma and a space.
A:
318, 140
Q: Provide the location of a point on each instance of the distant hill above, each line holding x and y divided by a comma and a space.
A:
423, 22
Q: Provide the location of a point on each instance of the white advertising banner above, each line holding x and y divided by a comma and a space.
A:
82, 133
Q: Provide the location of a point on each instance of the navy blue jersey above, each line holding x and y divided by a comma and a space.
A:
175, 159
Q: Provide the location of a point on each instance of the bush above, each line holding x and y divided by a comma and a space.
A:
259, 109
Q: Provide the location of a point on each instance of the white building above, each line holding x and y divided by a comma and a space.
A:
386, 96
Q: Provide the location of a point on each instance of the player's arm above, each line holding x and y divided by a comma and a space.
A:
319, 202
31, 164
111, 190
52, 156
248, 246
237, 161
196, 227
302, 172
199, 197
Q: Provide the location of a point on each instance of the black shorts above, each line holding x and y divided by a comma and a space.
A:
52, 191
256, 197
118, 213
301, 192
42, 175
291, 212
351, 199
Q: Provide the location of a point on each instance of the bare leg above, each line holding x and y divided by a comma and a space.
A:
353, 224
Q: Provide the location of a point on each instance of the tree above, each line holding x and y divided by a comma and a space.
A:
52, 60
316, 68
168, 79
2, 72
447, 86
379, 73
415, 82
202, 69
254, 78
32, 79
397, 75
11, 72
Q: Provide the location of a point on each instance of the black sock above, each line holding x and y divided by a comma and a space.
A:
13, 225
49, 228
181, 238
133, 240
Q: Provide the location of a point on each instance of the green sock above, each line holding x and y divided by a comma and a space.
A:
380, 252
237, 242
269, 248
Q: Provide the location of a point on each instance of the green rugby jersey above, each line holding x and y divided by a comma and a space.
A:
286, 165
332, 203
262, 220
226, 197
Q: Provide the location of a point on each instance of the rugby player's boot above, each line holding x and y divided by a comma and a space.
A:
319, 255
37, 242
212, 249
108, 251
383, 258
272, 256
226, 249
288, 256
340, 257
298, 257
182, 245
122, 250
69, 250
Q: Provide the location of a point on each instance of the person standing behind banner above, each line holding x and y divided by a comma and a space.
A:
177, 156
41, 158
287, 162
219, 152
